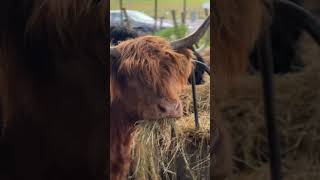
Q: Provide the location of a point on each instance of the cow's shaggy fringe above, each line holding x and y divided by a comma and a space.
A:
140, 61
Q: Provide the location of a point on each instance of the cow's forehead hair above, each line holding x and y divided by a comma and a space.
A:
152, 62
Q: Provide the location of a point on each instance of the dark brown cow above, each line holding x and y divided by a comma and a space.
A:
53, 56
237, 28
147, 74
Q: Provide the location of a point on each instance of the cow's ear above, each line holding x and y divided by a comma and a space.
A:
114, 60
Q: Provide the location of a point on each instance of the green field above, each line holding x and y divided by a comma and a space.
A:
164, 6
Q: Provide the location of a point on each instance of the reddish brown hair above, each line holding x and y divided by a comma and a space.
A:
236, 27
151, 61
54, 56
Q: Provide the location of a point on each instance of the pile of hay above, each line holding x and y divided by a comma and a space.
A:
298, 105
162, 148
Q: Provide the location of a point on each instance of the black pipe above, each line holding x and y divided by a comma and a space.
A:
203, 66
194, 92
304, 18
268, 86
194, 96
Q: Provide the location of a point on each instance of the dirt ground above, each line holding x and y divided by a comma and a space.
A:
298, 115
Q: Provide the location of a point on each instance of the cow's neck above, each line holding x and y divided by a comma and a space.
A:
120, 140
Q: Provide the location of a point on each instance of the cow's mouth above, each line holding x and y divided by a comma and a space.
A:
162, 120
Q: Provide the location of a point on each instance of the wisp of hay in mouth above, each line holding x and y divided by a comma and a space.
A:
162, 147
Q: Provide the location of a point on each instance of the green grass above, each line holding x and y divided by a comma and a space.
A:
172, 33
181, 31
164, 6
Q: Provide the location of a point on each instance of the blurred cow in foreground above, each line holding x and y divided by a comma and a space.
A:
238, 27
53, 85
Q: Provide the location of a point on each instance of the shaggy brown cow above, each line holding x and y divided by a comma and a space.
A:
146, 75
54, 52
237, 28
239, 25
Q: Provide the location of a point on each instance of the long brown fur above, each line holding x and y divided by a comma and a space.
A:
237, 26
54, 52
158, 71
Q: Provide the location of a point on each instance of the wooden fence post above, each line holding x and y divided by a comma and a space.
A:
155, 15
206, 11
183, 20
121, 17
173, 12
184, 13
126, 17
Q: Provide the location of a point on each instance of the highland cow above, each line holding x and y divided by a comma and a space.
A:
53, 65
147, 74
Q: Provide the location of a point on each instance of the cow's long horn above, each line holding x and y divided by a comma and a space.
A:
303, 17
188, 41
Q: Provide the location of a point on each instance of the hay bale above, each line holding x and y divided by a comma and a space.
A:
203, 98
297, 103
